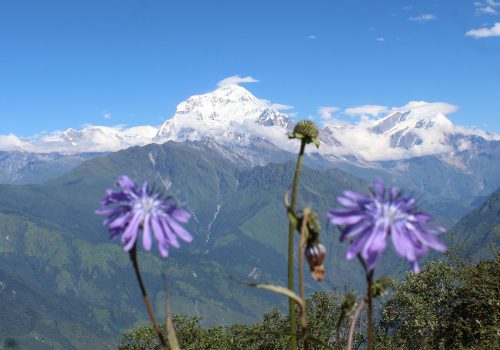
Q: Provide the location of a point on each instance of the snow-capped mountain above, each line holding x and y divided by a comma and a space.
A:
99, 138
408, 129
231, 115
90, 138
250, 131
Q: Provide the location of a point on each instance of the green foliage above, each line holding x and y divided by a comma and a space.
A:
446, 306
50, 236
269, 334
478, 233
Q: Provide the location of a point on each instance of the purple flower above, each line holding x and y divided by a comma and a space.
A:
133, 209
367, 220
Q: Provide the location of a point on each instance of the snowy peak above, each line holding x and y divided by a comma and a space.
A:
208, 107
92, 139
239, 121
409, 120
230, 114
390, 122
413, 127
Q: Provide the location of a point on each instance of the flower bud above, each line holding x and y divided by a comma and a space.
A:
307, 131
315, 255
307, 128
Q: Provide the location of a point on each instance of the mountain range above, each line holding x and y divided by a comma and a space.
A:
225, 157
52, 244
416, 147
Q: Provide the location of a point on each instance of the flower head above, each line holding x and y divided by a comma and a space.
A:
136, 208
307, 131
367, 220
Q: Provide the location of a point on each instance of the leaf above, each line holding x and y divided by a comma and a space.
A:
172, 338
348, 303
293, 219
316, 142
380, 286
277, 289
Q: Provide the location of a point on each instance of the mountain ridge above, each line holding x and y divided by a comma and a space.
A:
231, 114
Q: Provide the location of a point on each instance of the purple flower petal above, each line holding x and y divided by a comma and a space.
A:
180, 215
347, 219
356, 247
403, 244
180, 231
347, 202
368, 220
169, 234
133, 209
125, 183
356, 196
146, 234
353, 231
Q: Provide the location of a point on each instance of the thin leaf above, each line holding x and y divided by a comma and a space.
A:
293, 219
172, 338
277, 289
316, 142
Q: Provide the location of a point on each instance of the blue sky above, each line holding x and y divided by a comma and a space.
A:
67, 63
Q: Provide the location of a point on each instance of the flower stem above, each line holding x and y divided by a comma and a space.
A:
303, 238
149, 308
369, 296
291, 229
352, 327
338, 340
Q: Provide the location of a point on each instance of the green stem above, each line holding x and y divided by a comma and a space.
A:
291, 229
371, 328
149, 308
303, 239
352, 326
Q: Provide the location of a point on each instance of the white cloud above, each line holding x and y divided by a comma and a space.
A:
426, 17
380, 39
488, 7
359, 139
276, 106
407, 8
485, 32
236, 80
487, 10
426, 108
311, 37
90, 138
106, 115
325, 112
365, 110
11, 142
281, 107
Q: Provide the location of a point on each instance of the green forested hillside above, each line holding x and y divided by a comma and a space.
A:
478, 233
51, 241
50, 236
